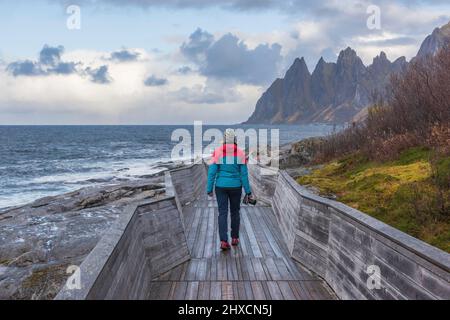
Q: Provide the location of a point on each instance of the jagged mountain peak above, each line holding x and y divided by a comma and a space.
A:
347, 53
381, 62
299, 63
435, 41
381, 57
336, 92
298, 68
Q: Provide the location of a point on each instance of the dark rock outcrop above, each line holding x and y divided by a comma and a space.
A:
435, 41
335, 92
300, 153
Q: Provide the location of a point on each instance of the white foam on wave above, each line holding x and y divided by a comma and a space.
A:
103, 173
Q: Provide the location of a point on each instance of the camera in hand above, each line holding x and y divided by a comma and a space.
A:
248, 199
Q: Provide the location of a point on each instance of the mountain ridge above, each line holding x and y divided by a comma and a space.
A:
335, 92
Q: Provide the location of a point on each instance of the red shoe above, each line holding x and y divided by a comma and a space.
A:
224, 245
234, 241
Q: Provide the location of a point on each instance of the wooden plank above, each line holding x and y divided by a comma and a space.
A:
192, 231
232, 268
274, 290
198, 242
192, 290
240, 288
258, 291
251, 236
244, 242
270, 233
184, 270
209, 245
173, 287
221, 269
266, 290
248, 290
259, 271
251, 270
201, 269
216, 290
283, 270
314, 290
191, 270
213, 269
238, 268
272, 269
180, 290
164, 290
286, 290
154, 290
264, 245
204, 290
175, 273
203, 234
244, 268
304, 290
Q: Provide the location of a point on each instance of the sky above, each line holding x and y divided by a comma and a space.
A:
176, 61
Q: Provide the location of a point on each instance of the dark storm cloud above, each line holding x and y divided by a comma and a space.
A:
290, 6
99, 75
124, 55
197, 45
24, 68
49, 63
184, 70
230, 58
153, 81
50, 55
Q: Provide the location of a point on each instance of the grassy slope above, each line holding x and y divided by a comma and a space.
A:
401, 193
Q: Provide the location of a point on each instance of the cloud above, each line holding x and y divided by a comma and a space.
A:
124, 55
24, 68
290, 7
153, 81
99, 75
229, 58
50, 55
201, 94
197, 45
184, 70
49, 63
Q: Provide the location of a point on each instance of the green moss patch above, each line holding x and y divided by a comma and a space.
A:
411, 193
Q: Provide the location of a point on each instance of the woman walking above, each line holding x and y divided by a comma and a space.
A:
228, 173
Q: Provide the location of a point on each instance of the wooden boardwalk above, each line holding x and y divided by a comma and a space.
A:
259, 268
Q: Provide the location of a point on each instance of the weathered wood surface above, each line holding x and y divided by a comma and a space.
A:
146, 241
259, 268
145, 256
189, 182
339, 243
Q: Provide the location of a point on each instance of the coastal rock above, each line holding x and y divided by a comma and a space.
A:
299, 153
40, 240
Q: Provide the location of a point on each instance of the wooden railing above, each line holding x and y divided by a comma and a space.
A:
347, 248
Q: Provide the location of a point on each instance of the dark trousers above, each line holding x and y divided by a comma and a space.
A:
225, 196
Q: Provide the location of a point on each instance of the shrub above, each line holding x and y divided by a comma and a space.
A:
417, 113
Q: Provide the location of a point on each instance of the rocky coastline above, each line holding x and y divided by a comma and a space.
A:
39, 240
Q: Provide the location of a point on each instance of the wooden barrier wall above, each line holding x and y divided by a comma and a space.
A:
147, 240
345, 246
189, 182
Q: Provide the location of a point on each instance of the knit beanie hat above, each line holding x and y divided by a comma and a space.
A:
229, 136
